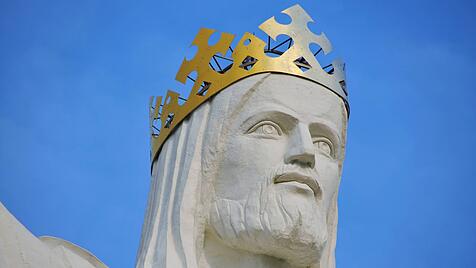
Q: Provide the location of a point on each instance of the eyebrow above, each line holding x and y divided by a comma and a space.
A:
328, 128
277, 107
266, 113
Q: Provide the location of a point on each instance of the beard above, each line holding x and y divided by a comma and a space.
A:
272, 221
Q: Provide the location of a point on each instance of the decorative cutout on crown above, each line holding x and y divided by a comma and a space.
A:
251, 56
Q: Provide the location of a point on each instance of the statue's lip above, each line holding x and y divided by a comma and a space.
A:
301, 178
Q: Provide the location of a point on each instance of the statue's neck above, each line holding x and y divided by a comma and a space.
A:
216, 255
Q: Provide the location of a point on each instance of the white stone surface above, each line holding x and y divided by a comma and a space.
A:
21, 249
250, 179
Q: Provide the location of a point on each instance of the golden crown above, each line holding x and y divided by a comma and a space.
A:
251, 56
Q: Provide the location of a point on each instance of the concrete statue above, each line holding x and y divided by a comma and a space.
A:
244, 172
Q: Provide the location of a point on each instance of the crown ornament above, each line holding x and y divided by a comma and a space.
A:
251, 56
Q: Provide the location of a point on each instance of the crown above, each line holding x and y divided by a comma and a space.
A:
251, 56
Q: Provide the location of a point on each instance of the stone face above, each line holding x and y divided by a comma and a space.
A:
19, 248
250, 179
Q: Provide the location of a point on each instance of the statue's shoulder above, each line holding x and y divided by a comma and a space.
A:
71, 250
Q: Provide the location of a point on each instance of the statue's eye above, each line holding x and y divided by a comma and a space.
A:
266, 128
324, 146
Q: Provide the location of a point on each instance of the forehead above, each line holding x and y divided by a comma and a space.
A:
303, 99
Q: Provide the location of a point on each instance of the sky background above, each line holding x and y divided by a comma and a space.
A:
75, 78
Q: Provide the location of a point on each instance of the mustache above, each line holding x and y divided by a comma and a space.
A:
293, 173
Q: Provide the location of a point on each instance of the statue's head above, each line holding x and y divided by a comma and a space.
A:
252, 159
277, 167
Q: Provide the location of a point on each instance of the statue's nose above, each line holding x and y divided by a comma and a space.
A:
301, 148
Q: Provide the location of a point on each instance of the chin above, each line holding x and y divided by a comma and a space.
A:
301, 242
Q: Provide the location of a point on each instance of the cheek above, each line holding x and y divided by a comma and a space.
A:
328, 171
245, 164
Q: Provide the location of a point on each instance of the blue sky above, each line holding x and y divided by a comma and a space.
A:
75, 77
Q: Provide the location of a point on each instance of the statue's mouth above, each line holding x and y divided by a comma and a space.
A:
300, 178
